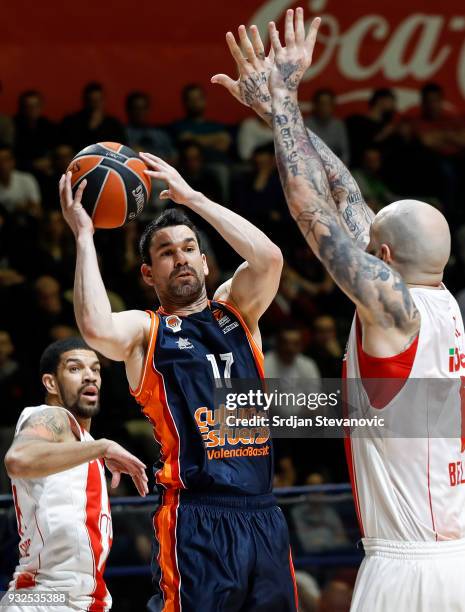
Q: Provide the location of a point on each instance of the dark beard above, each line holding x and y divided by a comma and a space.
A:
85, 412
185, 292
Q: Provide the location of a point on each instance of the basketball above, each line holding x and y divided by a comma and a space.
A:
117, 188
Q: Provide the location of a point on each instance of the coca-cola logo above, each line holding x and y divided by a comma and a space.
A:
359, 48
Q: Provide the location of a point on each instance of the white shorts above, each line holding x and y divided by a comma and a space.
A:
411, 577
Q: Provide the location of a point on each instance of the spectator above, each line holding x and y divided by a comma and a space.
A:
56, 249
295, 372
308, 592
91, 124
374, 128
213, 137
19, 191
12, 397
336, 597
257, 194
439, 130
7, 129
253, 133
326, 350
35, 134
141, 135
194, 170
407, 151
325, 125
369, 177
285, 475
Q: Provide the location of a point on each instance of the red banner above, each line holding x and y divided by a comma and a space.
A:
159, 47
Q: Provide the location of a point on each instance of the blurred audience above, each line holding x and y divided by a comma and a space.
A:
369, 176
212, 136
253, 133
19, 191
141, 135
35, 134
376, 127
92, 123
328, 127
325, 348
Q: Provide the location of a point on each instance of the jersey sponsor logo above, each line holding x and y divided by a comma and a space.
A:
215, 432
173, 322
456, 360
184, 343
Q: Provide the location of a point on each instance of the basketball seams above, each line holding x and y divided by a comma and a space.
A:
120, 178
104, 182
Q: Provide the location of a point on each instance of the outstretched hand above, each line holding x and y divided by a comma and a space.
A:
292, 60
251, 87
178, 190
119, 461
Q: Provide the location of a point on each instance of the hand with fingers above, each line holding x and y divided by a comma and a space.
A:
292, 60
73, 211
119, 461
251, 87
178, 190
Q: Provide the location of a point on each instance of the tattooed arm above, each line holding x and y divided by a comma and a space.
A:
47, 445
382, 298
336, 183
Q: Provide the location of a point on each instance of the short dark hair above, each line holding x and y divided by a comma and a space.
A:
91, 87
51, 356
169, 218
431, 88
29, 93
190, 87
135, 95
323, 91
379, 94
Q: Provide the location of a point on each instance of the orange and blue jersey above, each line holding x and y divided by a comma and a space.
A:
186, 357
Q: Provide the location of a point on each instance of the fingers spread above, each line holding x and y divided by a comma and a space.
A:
235, 50
257, 43
289, 35
274, 37
246, 45
311, 36
299, 26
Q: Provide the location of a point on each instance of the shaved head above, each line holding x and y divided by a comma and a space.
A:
414, 238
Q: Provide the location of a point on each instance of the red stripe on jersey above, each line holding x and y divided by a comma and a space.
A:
93, 511
26, 580
348, 451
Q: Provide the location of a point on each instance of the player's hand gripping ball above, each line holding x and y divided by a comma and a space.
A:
117, 188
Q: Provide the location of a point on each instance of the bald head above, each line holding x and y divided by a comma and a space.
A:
414, 238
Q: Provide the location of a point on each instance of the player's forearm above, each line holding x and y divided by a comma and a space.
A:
37, 459
91, 304
246, 239
355, 213
302, 174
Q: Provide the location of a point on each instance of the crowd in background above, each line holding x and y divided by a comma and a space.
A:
419, 155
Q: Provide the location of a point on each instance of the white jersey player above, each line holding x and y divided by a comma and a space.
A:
409, 492
59, 488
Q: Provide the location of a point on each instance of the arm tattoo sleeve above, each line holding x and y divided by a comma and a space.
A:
367, 280
355, 212
51, 424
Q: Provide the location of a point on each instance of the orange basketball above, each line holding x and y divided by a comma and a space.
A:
117, 188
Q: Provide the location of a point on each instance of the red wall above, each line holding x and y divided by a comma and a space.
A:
57, 47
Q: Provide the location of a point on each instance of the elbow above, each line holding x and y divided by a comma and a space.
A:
275, 257
15, 464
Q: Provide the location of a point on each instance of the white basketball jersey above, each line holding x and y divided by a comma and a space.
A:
65, 530
413, 488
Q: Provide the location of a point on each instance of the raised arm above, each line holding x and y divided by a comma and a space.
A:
256, 281
381, 296
118, 336
336, 184
46, 445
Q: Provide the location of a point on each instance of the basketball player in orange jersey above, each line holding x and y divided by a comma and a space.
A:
221, 541
59, 488
409, 493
